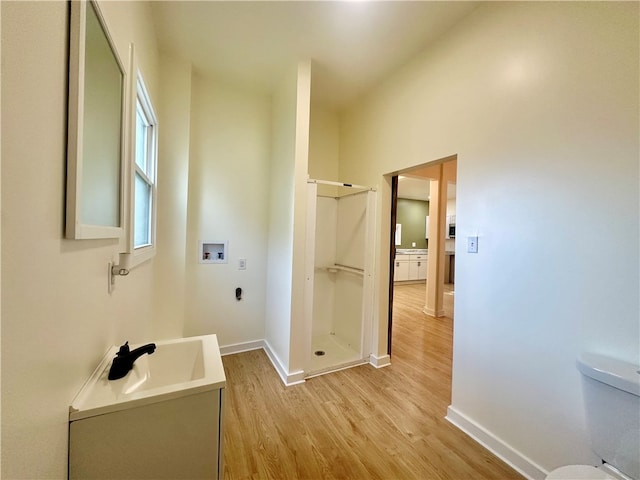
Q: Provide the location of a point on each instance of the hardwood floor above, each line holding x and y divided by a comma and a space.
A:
360, 423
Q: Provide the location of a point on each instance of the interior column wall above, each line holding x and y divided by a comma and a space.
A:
174, 115
299, 326
280, 233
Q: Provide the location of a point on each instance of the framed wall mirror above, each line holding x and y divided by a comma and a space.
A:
95, 149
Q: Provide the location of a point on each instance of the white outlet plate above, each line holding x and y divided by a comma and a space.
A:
242, 264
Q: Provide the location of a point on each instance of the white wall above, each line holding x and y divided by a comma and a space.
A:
300, 330
174, 115
280, 244
58, 318
324, 144
285, 321
540, 102
228, 201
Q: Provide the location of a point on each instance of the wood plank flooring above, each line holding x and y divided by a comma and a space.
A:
360, 423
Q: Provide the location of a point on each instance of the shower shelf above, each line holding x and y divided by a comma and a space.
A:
342, 268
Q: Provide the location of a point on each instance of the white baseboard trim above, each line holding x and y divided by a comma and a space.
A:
379, 362
241, 347
495, 445
433, 313
287, 378
296, 377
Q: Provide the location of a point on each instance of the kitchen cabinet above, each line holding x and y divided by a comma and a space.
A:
418, 269
410, 267
401, 270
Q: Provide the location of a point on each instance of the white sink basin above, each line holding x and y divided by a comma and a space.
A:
177, 368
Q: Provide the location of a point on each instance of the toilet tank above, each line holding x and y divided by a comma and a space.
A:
612, 401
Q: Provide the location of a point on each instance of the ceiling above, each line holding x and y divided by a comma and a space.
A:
353, 44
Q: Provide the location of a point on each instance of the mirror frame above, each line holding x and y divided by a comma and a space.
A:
75, 228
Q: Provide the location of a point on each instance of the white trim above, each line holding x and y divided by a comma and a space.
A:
433, 313
242, 347
368, 285
287, 378
138, 89
309, 273
495, 445
379, 362
296, 377
74, 228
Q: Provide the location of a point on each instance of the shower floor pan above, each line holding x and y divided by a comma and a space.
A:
336, 355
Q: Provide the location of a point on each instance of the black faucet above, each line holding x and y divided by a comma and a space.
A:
123, 361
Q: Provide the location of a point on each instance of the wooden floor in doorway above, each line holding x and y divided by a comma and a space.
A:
359, 423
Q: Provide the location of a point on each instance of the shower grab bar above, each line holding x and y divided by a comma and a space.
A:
343, 268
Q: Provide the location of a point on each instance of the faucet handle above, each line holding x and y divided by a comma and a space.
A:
124, 349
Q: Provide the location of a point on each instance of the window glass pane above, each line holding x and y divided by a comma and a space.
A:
142, 218
141, 139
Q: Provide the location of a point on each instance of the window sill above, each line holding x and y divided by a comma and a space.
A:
141, 255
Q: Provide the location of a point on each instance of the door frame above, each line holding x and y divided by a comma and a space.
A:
392, 255
393, 218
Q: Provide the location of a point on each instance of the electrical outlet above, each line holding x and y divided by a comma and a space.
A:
472, 244
242, 264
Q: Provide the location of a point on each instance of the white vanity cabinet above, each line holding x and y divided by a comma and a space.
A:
163, 420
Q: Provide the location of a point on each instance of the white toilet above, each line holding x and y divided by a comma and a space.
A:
612, 402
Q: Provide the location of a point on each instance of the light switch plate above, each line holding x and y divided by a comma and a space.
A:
472, 244
242, 264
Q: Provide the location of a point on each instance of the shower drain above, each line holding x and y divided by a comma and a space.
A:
318, 353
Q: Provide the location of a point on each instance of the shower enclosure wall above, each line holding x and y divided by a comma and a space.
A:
339, 268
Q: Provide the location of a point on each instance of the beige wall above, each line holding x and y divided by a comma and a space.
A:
300, 329
174, 116
228, 201
280, 243
58, 318
285, 323
540, 103
538, 100
324, 143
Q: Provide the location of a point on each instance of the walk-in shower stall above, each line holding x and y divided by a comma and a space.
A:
339, 272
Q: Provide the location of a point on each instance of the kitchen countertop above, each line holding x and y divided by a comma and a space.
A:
419, 251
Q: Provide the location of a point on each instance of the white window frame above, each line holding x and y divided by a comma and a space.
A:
140, 96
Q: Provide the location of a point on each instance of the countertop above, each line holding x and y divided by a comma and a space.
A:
419, 251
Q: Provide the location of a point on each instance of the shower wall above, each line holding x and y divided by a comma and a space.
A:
325, 254
340, 240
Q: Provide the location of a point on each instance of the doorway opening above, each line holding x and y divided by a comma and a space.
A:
422, 242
